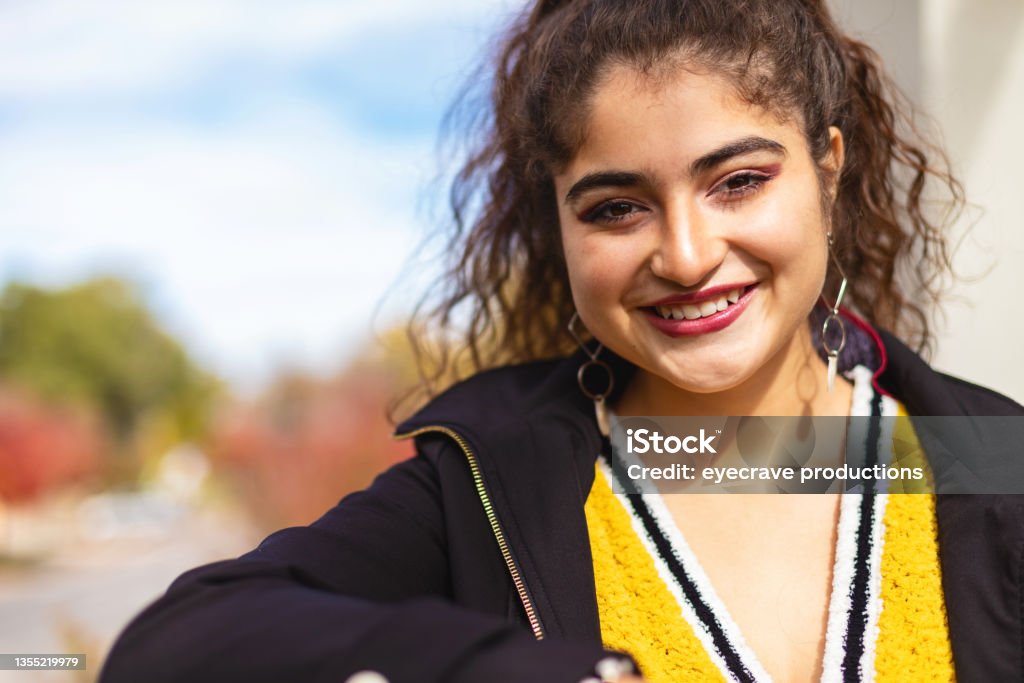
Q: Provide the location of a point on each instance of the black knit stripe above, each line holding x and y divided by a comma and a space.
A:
692, 594
858, 616
874, 430
689, 589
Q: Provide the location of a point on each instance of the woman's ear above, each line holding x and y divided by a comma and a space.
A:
833, 161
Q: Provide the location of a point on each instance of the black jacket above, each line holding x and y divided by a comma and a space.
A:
452, 562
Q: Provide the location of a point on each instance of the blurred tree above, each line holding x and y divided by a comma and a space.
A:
295, 451
307, 441
43, 447
96, 344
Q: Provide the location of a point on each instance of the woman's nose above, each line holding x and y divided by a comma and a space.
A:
688, 247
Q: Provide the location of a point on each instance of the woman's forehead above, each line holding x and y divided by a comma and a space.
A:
635, 119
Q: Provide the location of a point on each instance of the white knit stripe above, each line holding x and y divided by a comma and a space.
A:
885, 443
860, 407
685, 607
889, 406
863, 392
846, 548
682, 552
628, 459
842, 587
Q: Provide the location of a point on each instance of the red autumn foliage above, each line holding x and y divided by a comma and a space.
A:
43, 447
298, 450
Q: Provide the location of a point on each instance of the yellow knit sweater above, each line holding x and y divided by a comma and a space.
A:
641, 615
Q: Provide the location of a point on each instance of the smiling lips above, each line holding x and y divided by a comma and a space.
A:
706, 311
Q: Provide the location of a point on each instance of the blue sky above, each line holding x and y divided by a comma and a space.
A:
260, 168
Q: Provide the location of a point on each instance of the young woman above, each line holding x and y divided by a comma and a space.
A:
689, 189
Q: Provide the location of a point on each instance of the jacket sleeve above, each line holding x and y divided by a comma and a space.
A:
362, 588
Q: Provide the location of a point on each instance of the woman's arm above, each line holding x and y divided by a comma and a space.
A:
363, 588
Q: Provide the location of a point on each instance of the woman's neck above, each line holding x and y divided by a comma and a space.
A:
793, 382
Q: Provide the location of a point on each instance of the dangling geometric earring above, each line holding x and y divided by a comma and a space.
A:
833, 318
600, 409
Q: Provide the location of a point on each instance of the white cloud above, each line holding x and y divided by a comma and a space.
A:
272, 239
269, 237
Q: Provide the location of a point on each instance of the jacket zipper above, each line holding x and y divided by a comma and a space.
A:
492, 518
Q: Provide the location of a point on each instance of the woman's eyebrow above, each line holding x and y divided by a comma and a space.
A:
604, 179
752, 143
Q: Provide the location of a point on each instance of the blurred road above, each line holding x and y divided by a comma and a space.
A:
79, 599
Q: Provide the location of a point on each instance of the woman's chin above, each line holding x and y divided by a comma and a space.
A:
715, 380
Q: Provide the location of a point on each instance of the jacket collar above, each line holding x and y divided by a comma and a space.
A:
535, 438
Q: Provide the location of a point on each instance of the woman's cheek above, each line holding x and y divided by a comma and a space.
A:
607, 260
790, 242
598, 279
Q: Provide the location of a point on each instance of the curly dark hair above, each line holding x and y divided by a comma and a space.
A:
505, 291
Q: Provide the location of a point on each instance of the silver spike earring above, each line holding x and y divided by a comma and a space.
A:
834, 319
600, 409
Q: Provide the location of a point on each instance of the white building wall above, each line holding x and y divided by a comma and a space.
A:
963, 60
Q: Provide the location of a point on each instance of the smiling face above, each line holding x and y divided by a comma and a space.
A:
693, 229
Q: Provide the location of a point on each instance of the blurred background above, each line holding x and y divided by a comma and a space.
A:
210, 215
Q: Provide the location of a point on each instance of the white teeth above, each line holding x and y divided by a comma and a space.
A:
670, 312
702, 309
691, 312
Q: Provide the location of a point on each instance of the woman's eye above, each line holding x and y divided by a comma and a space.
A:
611, 212
741, 184
738, 181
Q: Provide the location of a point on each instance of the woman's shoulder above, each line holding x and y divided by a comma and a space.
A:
503, 394
927, 391
981, 400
